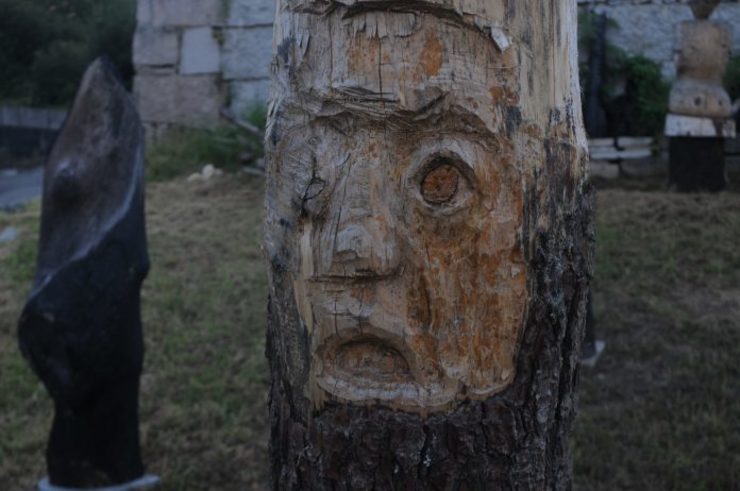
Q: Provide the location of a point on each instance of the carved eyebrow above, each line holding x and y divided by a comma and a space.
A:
435, 7
489, 29
371, 107
354, 7
439, 8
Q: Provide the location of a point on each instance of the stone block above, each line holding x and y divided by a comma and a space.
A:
251, 12
614, 154
200, 52
245, 95
156, 70
732, 146
604, 170
635, 142
157, 47
247, 53
180, 13
190, 101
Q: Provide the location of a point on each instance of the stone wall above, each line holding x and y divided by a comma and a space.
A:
26, 131
193, 57
647, 27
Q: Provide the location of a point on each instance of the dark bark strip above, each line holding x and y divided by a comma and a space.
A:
515, 440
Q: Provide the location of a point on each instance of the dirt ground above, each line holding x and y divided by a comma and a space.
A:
660, 411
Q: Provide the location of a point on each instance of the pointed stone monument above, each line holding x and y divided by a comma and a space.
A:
700, 110
81, 327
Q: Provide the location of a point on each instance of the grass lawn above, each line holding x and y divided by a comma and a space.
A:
660, 411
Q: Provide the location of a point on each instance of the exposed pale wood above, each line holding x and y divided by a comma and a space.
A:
427, 225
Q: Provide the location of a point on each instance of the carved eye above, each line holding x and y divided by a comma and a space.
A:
441, 183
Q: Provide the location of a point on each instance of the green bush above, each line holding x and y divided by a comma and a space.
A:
644, 104
257, 115
184, 151
45, 45
732, 78
633, 92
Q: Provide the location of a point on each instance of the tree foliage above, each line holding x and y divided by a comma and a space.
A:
634, 93
45, 45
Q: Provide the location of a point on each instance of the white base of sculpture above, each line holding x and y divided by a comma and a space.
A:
145, 482
592, 360
677, 125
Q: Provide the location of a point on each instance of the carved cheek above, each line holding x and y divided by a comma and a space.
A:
472, 266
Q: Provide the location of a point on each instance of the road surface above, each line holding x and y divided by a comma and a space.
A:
18, 188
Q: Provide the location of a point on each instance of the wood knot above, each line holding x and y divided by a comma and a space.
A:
440, 184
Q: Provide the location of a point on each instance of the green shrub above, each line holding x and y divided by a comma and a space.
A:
732, 78
257, 115
633, 92
645, 100
185, 151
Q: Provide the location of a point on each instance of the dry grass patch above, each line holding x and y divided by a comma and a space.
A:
203, 397
660, 411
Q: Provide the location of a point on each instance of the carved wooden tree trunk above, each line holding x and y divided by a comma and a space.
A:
428, 230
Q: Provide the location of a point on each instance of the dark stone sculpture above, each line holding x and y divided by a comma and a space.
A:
81, 327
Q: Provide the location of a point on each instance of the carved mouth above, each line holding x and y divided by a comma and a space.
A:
372, 361
368, 369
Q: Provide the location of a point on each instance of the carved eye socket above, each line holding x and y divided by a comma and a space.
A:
441, 183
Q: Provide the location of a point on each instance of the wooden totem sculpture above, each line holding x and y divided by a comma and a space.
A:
428, 230
81, 327
700, 109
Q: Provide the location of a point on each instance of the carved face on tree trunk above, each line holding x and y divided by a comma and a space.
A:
402, 189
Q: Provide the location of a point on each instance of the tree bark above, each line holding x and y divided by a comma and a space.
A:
428, 227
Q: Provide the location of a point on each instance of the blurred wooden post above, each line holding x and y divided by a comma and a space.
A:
428, 231
700, 109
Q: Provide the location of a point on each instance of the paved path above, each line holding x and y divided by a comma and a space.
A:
18, 188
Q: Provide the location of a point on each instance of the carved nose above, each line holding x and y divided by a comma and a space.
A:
364, 249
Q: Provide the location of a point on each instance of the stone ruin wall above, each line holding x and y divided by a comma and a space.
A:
648, 27
193, 57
